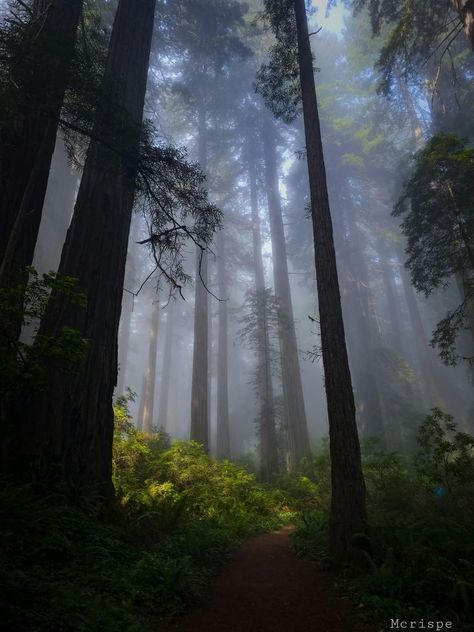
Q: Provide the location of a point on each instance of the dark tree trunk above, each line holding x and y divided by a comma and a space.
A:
146, 423
28, 136
223, 432
348, 512
69, 425
294, 408
200, 391
268, 438
167, 367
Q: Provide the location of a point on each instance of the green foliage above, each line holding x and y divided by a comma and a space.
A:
21, 363
421, 529
438, 220
178, 516
416, 32
278, 81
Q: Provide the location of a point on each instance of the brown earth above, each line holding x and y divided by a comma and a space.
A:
266, 588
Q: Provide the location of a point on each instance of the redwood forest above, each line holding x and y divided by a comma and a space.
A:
236, 315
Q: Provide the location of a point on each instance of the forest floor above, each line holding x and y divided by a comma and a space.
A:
267, 588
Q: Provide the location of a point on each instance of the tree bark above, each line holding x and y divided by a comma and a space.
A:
28, 135
150, 381
167, 367
200, 391
348, 512
68, 425
268, 438
294, 408
223, 431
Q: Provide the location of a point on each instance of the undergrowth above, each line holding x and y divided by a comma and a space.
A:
421, 511
178, 516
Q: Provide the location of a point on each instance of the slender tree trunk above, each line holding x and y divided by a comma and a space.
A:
348, 512
28, 135
126, 318
200, 394
141, 404
223, 432
124, 341
150, 382
68, 426
432, 390
295, 414
268, 438
167, 367
367, 340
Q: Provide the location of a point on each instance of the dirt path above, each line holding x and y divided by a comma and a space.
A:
266, 588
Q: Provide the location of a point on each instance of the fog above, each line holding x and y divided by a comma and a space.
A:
201, 96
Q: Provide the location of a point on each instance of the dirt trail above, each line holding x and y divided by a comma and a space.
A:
266, 588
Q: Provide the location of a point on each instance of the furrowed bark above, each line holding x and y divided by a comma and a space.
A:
348, 512
67, 427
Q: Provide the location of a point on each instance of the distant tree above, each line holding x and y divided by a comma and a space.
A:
438, 220
167, 366
206, 33
263, 330
147, 419
293, 399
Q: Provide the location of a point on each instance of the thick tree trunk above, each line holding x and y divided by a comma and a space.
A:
223, 432
68, 427
294, 408
200, 391
28, 135
348, 512
150, 381
268, 438
167, 367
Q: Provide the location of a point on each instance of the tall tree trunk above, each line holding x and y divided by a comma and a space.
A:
141, 405
348, 512
223, 432
126, 315
294, 408
430, 379
200, 394
367, 339
268, 438
68, 426
167, 367
28, 135
150, 382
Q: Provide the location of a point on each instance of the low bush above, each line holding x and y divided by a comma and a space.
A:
178, 516
421, 511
